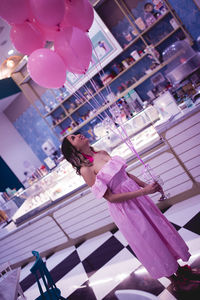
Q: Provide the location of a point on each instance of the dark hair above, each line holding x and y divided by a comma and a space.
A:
72, 155
148, 3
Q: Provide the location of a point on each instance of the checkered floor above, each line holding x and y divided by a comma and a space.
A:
98, 267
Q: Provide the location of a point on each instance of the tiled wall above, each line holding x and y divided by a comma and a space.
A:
34, 131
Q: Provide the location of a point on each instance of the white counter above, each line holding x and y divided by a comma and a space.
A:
175, 156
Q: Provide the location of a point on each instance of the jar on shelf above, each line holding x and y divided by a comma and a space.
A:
107, 77
127, 35
188, 101
116, 68
149, 19
47, 108
135, 55
159, 6
140, 23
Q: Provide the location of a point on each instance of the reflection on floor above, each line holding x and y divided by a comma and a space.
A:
98, 267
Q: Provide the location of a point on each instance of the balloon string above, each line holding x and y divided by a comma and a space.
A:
101, 68
88, 100
127, 139
130, 145
86, 88
78, 95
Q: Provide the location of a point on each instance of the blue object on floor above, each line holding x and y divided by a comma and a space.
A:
40, 271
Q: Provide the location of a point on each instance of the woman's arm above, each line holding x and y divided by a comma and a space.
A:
137, 180
115, 198
88, 175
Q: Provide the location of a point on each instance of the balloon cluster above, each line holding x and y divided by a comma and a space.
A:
65, 23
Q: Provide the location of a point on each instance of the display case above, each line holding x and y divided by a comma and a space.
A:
139, 128
141, 141
53, 187
81, 216
63, 181
185, 61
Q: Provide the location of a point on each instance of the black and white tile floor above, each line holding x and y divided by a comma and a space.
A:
100, 266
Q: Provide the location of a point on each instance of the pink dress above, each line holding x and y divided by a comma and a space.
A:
153, 239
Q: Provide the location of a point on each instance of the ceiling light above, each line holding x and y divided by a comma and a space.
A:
10, 52
10, 63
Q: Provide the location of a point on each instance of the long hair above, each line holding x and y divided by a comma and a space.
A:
73, 156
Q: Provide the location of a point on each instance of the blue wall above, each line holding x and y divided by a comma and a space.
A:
34, 131
189, 14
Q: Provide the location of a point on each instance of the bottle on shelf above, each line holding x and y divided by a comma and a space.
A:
126, 109
188, 101
135, 101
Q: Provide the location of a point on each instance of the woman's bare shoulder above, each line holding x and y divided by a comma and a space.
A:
88, 175
86, 170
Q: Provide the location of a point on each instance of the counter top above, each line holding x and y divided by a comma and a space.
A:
79, 215
44, 206
122, 150
168, 123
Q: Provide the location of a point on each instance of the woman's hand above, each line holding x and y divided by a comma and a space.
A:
124, 196
3, 216
151, 188
160, 190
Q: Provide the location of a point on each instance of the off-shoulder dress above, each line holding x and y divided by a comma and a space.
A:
153, 239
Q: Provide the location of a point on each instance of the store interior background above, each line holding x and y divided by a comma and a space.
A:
71, 228
23, 131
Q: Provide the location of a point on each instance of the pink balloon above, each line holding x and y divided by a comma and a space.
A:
48, 12
75, 47
47, 68
26, 38
48, 32
79, 13
14, 11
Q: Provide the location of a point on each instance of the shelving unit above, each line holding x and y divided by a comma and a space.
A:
155, 23
25, 79
96, 93
167, 36
141, 35
115, 78
141, 80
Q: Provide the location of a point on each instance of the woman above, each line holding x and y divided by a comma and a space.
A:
153, 239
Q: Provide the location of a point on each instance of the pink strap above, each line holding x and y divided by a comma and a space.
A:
89, 157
